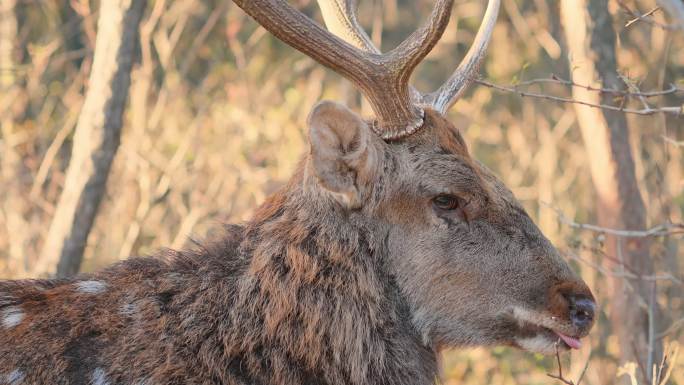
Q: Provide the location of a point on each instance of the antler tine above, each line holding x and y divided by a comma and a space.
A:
340, 18
442, 99
412, 50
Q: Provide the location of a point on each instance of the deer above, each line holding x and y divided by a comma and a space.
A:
389, 244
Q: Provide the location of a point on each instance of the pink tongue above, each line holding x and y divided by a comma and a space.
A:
574, 343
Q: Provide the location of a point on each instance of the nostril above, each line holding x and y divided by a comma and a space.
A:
573, 302
581, 311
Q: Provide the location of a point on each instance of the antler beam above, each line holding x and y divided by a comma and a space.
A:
382, 78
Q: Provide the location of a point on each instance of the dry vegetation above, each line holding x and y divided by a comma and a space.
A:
216, 121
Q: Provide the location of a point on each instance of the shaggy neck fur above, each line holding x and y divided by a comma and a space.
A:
299, 295
318, 288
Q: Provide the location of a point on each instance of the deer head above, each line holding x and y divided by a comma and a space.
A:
473, 266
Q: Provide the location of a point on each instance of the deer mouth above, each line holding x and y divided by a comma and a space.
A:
544, 340
542, 333
571, 342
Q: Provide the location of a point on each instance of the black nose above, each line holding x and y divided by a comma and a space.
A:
582, 311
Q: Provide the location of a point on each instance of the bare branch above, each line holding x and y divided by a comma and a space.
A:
623, 274
560, 376
445, 97
672, 328
555, 79
677, 143
637, 17
677, 111
655, 231
668, 363
584, 370
641, 17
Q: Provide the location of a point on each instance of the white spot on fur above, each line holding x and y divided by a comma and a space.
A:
15, 377
11, 316
99, 377
91, 287
537, 344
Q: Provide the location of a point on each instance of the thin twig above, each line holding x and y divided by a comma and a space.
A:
677, 143
560, 376
678, 111
623, 264
584, 370
634, 88
671, 329
555, 79
641, 17
668, 363
623, 274
655, 231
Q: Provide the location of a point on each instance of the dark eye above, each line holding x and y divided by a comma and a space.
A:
452, 206
447, 202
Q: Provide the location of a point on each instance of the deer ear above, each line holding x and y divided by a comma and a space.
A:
342, 153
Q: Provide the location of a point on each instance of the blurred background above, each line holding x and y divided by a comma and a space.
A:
214, 120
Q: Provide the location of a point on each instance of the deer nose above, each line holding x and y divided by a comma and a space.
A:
572, 301
582, 310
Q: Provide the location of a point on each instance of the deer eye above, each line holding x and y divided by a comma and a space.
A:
452, 206
447, 202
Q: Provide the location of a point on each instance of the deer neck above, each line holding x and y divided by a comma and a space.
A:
325, 296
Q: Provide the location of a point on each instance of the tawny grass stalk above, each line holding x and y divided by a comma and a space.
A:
591, 43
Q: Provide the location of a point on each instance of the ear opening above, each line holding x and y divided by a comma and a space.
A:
342, 152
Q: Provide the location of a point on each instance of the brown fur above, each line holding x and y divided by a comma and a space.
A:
315, 289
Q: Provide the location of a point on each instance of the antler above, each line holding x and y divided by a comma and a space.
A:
445, 97
382, 78
340, 18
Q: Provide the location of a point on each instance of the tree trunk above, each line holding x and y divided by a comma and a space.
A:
96, 138
11, 163
591, 39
